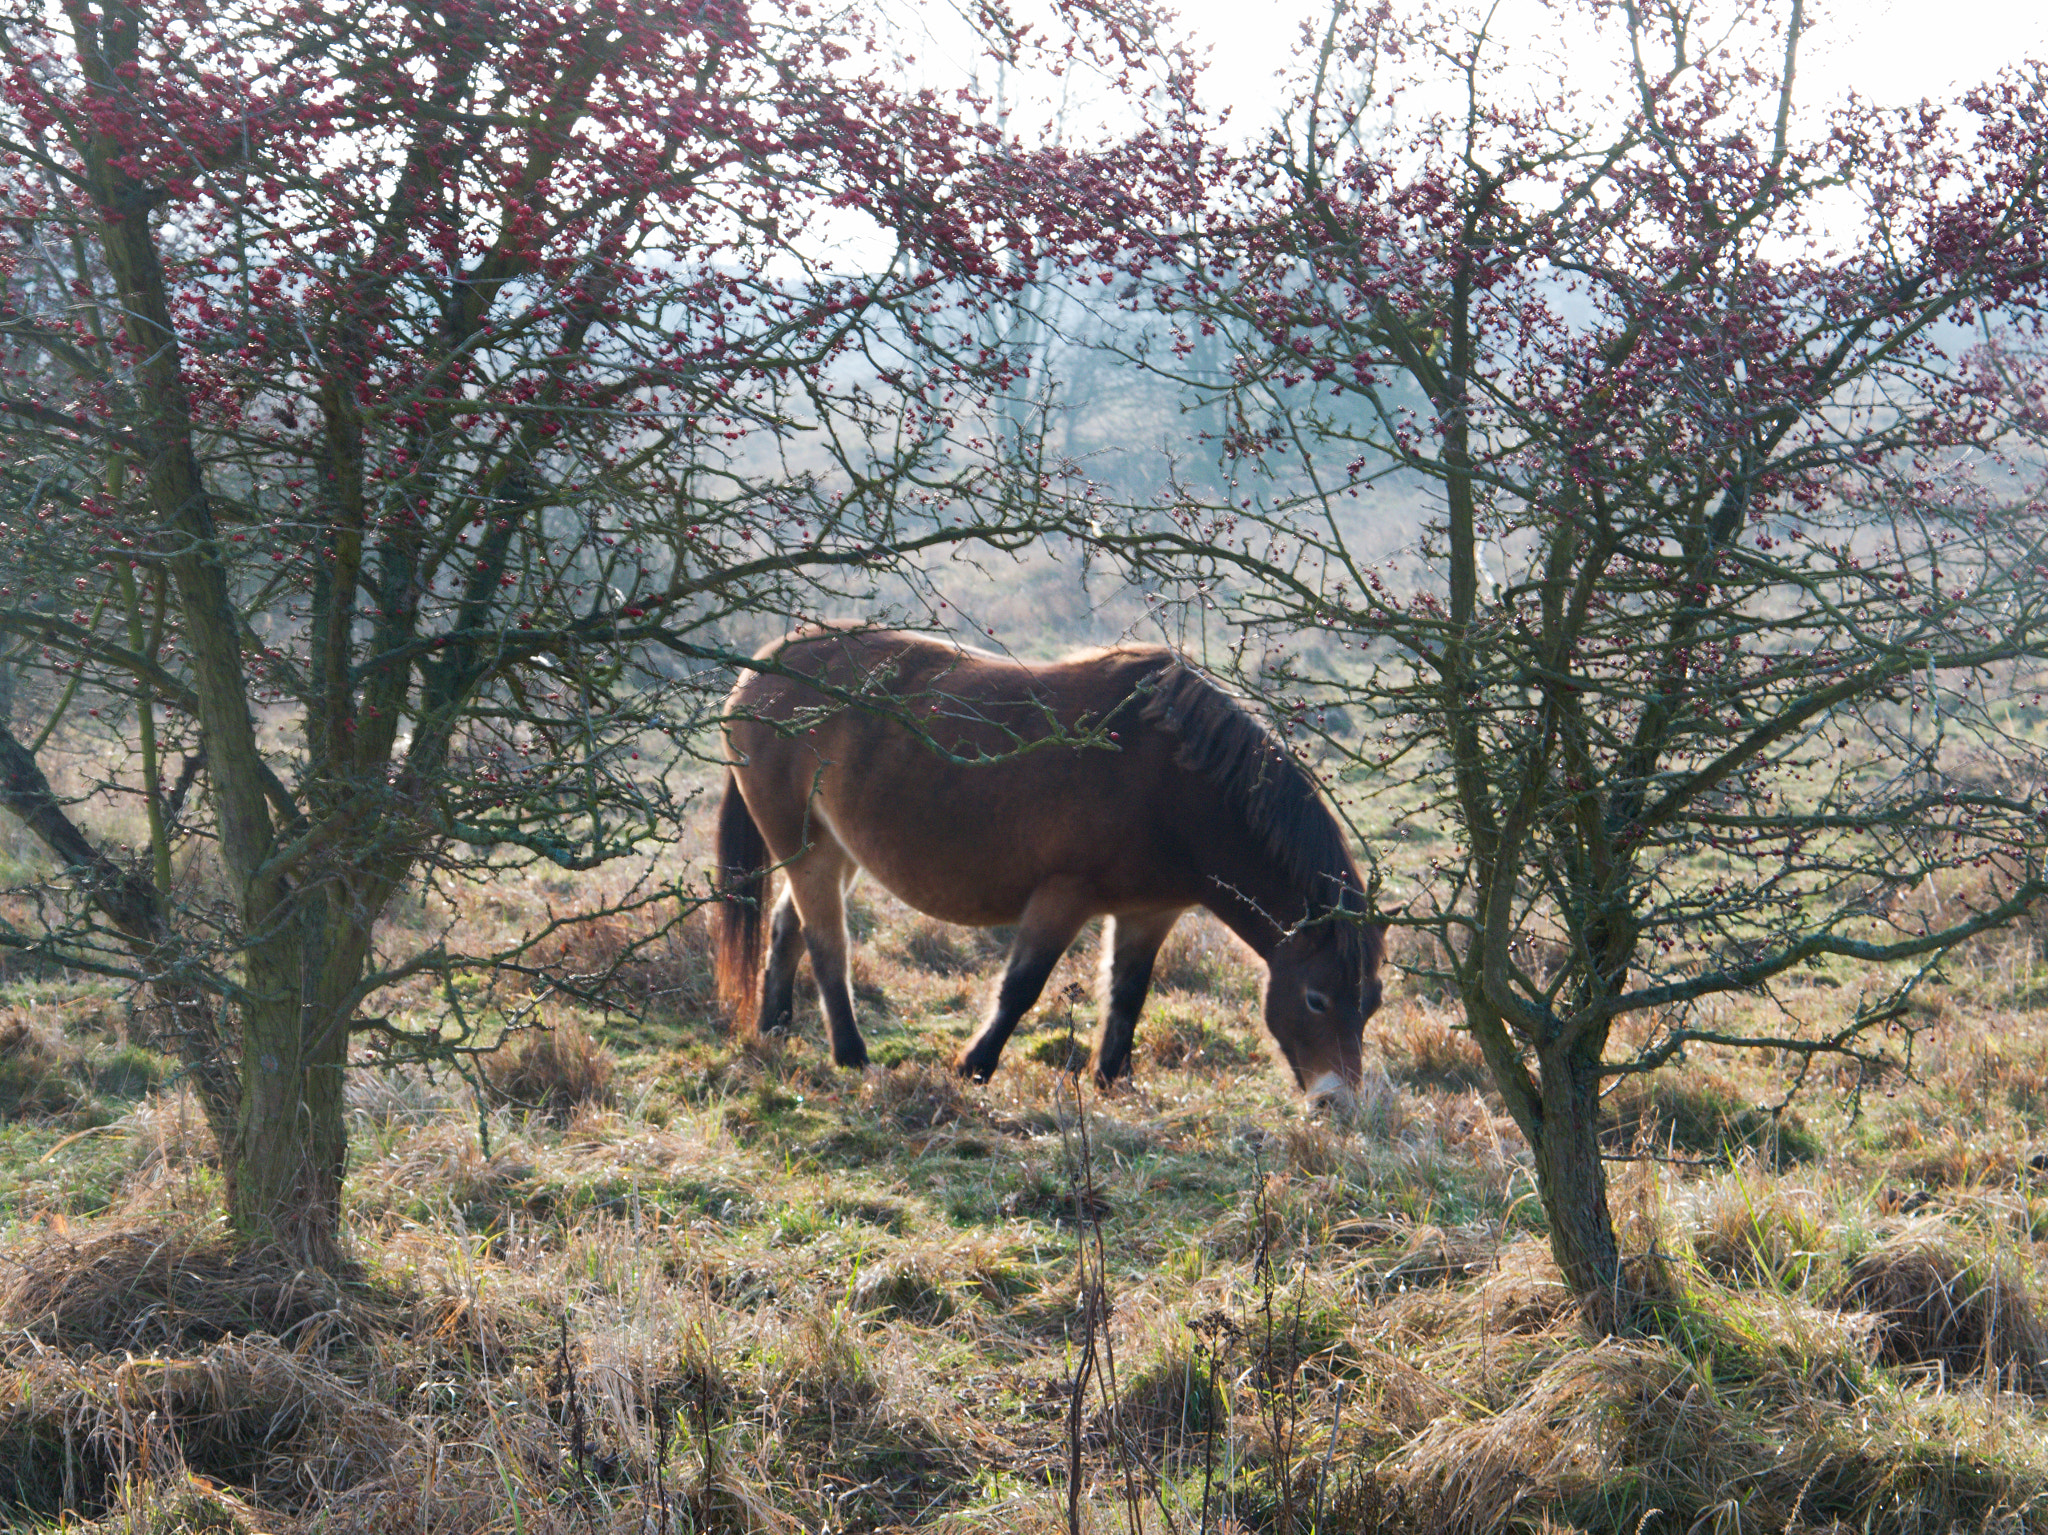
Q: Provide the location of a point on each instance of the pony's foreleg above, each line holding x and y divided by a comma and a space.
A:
1050, 921
1129, 946
819, 886
778, 978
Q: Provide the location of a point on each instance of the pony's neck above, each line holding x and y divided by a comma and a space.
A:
1251, 896
1270, 851
1257, 927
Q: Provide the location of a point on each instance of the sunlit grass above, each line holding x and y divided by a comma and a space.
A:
790, 1296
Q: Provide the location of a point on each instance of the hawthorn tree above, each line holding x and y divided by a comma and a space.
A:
1733, 572
402, 405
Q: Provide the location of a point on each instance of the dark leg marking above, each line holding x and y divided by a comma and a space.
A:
778, 979
1130, 946
1048, 926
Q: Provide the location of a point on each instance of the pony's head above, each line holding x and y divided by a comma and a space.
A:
1322, 983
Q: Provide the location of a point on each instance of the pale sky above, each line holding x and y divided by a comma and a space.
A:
1892, 51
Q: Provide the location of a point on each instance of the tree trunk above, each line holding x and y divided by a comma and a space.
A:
293, 1143
1572, 1181
286, 1163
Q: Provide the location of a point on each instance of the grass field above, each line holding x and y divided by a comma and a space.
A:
637, 1275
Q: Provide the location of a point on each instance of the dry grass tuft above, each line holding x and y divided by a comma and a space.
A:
1315, 1149
1523, 1296
913, 1285
181, 1505
552, 1072
917, 1098
1745, 1228
147, 1288
822, 1364
1965, 1312
940, 948
1623, 1433
1201, 956
477, 1330
1755, 1412
1173, 1398
1186, 1034
1554, 1444
1408, 1257
1703, 1118
1959, 1159
381, 1095
40, 1075
1422, 1046
245, 1412
1526, 1294
653, 957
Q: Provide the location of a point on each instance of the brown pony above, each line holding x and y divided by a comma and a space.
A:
1117, 783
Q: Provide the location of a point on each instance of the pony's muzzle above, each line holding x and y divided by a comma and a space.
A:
1332, 1092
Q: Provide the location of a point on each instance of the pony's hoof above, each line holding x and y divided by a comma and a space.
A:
972, 1068
855, 1059
1112, 1074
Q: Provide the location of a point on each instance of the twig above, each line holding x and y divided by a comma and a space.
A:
1329, 1455
1075, 1399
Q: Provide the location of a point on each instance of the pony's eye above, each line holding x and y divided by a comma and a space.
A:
1317, 1002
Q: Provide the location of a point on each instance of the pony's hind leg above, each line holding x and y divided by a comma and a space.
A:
818, 884
1051, 919
1130, 943
778, 977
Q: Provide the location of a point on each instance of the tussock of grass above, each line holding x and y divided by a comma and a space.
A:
1168, 1401
382, 1097
1702, 1118
1748, 1229
1421, 1046
916, 1099
182, 1505
1405, 1257
273, 1421
1620, 1435
906, 1285
1203, 958
1937, 1303
1956, 1159
1519, 1294
1196, 1032
143, 1288
41, 1076
653, 957
942, 949
553, 1072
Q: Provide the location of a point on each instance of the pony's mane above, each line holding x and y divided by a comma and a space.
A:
1227, 745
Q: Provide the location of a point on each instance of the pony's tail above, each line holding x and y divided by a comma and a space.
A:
742, 882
